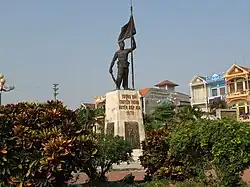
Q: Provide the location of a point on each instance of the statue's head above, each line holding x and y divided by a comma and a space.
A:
121, 44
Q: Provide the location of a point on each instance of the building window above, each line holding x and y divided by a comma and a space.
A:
232, 88
214, 92
239, 86
242, 110
222, 91
245, 84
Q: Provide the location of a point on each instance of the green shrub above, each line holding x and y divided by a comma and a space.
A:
160, 117
42, 144
221, 145
209, 151
166, 115
157, 160
111, 150
89, 117
155, 151
229, 144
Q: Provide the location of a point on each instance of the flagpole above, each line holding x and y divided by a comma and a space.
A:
132, 55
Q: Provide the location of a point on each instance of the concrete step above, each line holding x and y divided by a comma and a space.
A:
133, 165
130, 166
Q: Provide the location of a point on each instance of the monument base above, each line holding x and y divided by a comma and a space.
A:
124, 118
134, 165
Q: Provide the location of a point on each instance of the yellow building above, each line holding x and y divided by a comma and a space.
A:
100, 101
237, 80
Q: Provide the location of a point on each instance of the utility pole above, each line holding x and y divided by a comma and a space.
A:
55, 90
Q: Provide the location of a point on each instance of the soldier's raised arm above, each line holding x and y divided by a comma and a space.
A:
133, 45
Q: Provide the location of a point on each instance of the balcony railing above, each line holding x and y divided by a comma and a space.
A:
199, 100
238, 93
222, 97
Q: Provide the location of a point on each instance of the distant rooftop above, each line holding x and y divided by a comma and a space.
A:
166, 83
247, 69
144, 91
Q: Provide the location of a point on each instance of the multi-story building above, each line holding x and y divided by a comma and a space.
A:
100, 102
204, 89
151, 97
199, 93
238, 90
216, 87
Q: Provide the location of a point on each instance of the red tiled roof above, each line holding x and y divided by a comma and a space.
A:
166, 83
247, 69
89, 105
144, 91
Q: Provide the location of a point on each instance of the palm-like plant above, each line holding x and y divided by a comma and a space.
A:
164, 113
162, 116
89, 117
188, 113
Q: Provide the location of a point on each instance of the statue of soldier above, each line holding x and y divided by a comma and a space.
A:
122, 64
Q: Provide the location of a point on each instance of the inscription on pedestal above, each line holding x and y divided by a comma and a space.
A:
132, 134
110, 129
123, 116
129, 103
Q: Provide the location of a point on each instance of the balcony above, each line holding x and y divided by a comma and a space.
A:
238, 94
222, 97
198, 100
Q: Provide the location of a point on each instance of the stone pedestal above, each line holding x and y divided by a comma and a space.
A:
124, 117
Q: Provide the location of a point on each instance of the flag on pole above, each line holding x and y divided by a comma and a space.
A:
127, 30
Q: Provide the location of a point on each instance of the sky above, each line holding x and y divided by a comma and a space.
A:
72, 43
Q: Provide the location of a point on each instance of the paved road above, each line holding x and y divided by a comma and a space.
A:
246, 176
115, 176
139, 175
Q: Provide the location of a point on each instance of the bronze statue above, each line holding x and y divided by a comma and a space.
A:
122, 64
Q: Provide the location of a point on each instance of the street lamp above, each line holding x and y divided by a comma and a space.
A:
4, 88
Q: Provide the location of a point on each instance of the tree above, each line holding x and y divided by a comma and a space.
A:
188, 113
111, 150
217, 103
90, 117
162, 116
167, 115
